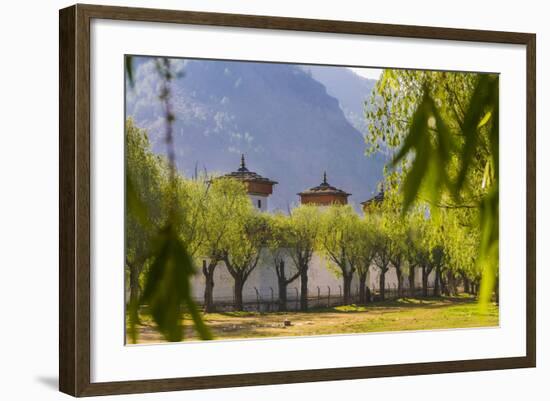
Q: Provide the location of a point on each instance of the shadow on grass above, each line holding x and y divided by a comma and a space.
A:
243, 313
401, 303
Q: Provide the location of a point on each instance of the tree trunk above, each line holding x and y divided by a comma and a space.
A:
134, 283
411, 281
382, 285
476, 287
451, 284
399, 275
347, 277
425, 275
238, 293
282, 294
208, 272
282, 284
209, 293
303, 290
437, 281
362, 288
466, 283
444, 284
134, 293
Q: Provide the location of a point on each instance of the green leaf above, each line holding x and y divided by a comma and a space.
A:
488, 249
485, 119
481, 103
168, 288
128, 64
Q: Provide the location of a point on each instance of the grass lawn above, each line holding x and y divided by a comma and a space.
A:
402, 314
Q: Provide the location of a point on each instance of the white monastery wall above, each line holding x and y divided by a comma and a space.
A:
319, 275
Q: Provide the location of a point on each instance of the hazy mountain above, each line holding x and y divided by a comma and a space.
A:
350, 89
289, 125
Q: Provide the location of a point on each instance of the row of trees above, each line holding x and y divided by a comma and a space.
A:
441, 130
219, 226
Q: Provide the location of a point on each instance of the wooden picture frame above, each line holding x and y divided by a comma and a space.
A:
74, 204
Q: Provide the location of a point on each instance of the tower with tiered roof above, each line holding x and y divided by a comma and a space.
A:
324, 194
258, 188
373, 202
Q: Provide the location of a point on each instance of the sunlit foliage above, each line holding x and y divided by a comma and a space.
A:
442, 129
157, 250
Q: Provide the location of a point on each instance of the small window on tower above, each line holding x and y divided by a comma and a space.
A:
259, 203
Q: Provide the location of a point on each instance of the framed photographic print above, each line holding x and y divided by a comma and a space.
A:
250, 200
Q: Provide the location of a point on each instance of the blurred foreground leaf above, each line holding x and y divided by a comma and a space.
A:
488, 247
129, 67
167, 290
483, 107
445, 128
432, 144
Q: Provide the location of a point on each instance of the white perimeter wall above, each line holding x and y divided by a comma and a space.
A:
319, 275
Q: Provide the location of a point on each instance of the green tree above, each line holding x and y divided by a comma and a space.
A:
461, 245
301, 238
339, 231
243, 249
192, 196
394, 226
277, 247
443, 127
293, 237
145, 182
167, 281
434, 252
382, 217
224, 206
362, 251
382, 244
413, 248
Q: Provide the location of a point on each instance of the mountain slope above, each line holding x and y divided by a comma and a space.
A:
278, 115
350, 89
